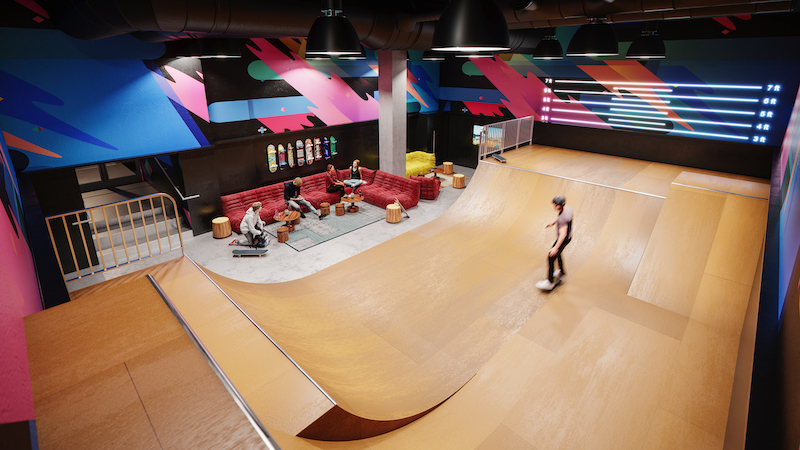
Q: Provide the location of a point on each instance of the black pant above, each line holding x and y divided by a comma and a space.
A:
551, 259
336, 187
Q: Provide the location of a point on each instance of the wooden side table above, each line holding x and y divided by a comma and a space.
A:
393, 213
221, 227
340, 209
459, 181
283, 234
325, 208
448, 167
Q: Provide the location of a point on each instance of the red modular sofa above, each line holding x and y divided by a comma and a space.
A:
428, 187
381, 189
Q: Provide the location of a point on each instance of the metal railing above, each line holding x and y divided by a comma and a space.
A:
500, 136
87, 240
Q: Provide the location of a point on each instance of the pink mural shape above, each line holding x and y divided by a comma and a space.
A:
615, 73
291, 122
529, 96
486, 109
22, 144
336, 102
33, 6
190, 92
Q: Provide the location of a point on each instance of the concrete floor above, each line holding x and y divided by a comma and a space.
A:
283, 263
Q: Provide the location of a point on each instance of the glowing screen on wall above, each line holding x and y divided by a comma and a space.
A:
754, 113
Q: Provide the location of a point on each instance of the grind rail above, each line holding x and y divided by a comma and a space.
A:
87, 240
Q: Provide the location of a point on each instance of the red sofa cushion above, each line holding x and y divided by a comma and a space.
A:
429, 187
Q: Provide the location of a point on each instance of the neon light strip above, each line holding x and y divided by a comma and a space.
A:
674, 108
639, 100
713, 86
583, 122
607, 114
643, 89
637, 111
719, 99
637, 121
697, 133
708, 122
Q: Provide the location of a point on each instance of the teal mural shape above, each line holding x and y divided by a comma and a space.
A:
262, 72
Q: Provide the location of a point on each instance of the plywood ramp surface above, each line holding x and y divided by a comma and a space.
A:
117, 371
608, 361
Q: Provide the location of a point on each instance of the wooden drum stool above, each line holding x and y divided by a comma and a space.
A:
340, 209
393, 213
458, 181
283, 234
448, 167
221, 227
325, 208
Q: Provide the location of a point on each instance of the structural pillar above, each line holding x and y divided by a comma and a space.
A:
392, 79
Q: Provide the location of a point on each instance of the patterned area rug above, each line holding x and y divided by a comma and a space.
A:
313, 231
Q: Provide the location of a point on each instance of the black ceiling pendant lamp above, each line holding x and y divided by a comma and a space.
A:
332, 34
471, 26
594, 39
549, 47
648, 45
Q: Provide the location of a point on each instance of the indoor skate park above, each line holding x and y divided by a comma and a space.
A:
405, 313
637, 349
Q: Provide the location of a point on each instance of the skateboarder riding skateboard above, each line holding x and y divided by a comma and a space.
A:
563, 225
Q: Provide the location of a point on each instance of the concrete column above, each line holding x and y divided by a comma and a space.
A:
392, 109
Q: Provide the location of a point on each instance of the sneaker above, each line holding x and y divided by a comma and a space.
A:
557, 273
322, 215
545, 285
233, 242
302, 214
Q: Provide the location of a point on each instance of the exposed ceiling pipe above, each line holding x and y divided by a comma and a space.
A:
165, 20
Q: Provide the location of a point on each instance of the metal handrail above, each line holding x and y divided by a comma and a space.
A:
237, 396
500, 136
93, 260
191, 197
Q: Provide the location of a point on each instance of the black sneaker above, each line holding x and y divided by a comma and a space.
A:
302, 215
322, 215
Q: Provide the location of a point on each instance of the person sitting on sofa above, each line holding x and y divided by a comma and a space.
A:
252, 227
333, 183
356, 179
291, 193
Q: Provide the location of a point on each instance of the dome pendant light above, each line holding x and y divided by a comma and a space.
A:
332, 33
648, 45
471, 26
548, 47
594, 39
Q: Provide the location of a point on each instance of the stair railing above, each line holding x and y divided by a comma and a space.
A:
87, 240
500, 136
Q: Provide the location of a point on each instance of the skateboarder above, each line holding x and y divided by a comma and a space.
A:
563, 225
291, 193
252, 228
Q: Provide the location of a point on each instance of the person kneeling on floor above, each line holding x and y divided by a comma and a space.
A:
252, 228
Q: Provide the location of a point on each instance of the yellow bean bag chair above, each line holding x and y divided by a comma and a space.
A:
418, 161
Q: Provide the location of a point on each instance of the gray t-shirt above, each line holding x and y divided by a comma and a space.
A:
565, 218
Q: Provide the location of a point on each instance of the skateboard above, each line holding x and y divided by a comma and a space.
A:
499, 158
326, 148
397, 202
249, 252
281, 156
318, 149
273, 165
290, 154
309, 151
301, 159
333, 146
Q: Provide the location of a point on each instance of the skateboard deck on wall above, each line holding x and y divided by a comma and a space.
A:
309, 151
301, 158
273, 165
281, 157
326, 148
333, 146
290, 154
249, 252
318, 149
